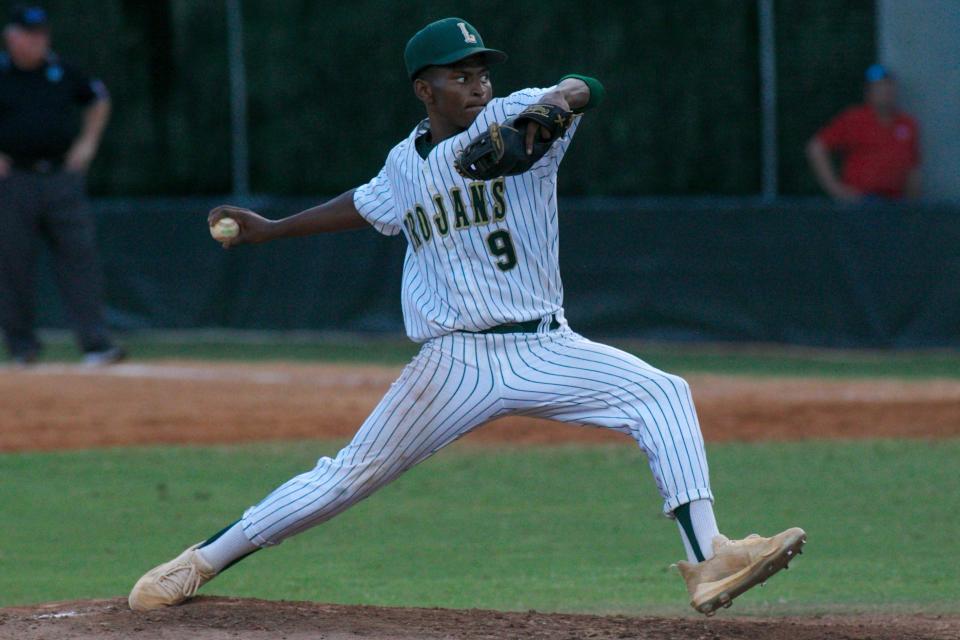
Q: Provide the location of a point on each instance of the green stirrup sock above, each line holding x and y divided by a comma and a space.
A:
682, 514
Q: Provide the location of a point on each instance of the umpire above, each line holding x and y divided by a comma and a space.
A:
51, 119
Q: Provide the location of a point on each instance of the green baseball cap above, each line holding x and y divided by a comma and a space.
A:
445, 42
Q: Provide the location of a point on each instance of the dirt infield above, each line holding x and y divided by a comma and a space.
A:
54, 407
225, 618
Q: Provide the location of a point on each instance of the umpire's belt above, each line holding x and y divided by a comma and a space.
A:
530, 326
32, 165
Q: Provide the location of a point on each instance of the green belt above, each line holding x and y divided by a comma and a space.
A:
529, 326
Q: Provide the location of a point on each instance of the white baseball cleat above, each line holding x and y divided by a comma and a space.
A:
738, 565
172, 582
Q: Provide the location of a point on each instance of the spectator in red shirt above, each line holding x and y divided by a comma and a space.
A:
878, 143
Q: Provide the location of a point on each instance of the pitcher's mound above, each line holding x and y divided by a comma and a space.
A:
212, 618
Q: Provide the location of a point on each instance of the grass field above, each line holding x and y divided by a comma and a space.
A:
726, 359
555, 529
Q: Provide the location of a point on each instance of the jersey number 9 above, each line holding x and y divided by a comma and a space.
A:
501, 247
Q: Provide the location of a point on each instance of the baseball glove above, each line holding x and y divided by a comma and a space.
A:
501, 149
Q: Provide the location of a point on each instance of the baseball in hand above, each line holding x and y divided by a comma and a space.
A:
224, 229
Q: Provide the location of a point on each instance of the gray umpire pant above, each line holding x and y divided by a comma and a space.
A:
50, 208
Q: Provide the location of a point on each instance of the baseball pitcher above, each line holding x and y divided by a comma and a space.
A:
473, 189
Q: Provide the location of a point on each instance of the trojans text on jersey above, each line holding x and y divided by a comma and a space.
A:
458, 210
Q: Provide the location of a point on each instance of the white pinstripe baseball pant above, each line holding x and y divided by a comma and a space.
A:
460, 381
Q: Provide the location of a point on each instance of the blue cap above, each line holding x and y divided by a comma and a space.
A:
29, 17
877, 72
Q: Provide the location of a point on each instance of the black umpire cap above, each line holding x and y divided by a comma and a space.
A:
29, 16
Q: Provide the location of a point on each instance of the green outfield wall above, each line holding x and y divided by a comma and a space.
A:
801, 272
328, 96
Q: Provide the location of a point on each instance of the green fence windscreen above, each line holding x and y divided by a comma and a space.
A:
800, 272
328, 94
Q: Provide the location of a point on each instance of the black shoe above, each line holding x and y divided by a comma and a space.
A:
25, 359
105, 357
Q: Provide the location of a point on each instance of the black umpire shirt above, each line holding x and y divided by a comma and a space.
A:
40, 110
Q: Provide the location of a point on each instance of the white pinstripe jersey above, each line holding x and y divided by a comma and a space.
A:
479, 254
